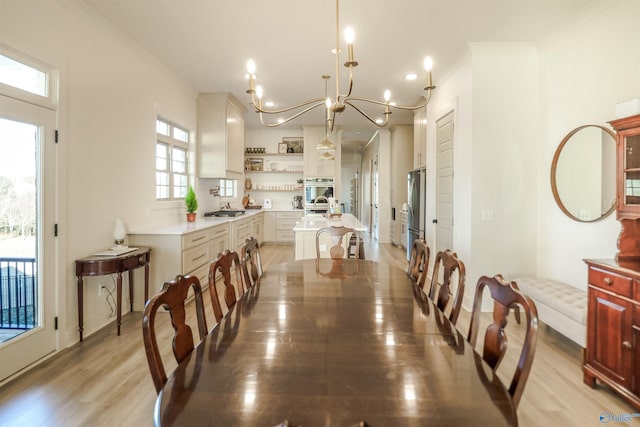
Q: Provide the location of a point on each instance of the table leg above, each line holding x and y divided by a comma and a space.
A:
146, 283
119, 301
80, 307
131, 290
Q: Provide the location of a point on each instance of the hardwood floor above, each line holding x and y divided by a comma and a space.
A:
105, 381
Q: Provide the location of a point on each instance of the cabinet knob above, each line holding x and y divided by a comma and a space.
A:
627, 345
608, 281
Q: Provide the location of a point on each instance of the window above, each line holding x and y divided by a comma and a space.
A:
22, 76
172, 165
227, 187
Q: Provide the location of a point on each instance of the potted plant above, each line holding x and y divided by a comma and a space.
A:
299, 183
191, 203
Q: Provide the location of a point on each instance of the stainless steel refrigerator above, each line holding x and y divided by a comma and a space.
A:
416, 205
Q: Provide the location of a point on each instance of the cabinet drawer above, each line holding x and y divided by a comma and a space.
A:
220, 231
289, 215
285, 236
193, 239
286, 224
609, 281
195, 257
202, 273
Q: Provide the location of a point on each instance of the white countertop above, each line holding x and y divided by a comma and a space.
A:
201, 223
314, 222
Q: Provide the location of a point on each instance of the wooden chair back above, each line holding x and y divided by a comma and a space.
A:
451, 288
251, 262
505, 295
419, 262
172, 296
341, 244
224, 264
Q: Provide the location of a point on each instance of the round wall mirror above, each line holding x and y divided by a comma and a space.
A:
583, 173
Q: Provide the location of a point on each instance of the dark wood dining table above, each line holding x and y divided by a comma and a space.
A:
334, 344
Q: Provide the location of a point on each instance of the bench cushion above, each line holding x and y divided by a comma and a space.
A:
559, 296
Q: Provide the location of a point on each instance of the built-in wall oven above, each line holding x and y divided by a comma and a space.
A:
316, 194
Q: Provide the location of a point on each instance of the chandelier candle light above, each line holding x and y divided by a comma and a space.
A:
339, 102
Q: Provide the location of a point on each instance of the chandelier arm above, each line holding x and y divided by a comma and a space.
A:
299, 113
384, 104
366, 116
293, 107
348, 94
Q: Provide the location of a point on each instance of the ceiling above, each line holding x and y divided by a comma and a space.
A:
208, 42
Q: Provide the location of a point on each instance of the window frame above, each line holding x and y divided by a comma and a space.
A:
50, 100
172, 143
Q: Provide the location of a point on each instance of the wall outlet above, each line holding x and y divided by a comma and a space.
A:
101, 288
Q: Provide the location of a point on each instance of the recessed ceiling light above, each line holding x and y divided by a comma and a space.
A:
410, 76
379, 121
280, 120
269, 104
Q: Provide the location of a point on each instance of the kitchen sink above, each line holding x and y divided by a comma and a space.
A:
226, 212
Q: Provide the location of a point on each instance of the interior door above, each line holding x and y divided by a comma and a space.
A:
27, 246
444, 183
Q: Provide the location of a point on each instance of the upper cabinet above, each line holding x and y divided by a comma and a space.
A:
420, 138
628, 186
220, 136
628, 166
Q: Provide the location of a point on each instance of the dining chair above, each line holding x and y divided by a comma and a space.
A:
172, 296
224, 264
505, 295
251, 262
451, 287
419, 262
337, 238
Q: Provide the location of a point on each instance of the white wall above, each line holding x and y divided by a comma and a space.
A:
512, 108
587, 68
111, 92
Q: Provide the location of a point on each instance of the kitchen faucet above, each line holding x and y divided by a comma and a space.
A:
318, 199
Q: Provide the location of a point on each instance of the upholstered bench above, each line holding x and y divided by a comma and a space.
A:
560, 306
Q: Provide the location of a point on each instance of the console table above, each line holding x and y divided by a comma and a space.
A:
103, 265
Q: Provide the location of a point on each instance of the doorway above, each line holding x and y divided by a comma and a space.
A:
444, 182
27, 246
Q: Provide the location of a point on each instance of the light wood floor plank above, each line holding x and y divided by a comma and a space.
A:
104, 381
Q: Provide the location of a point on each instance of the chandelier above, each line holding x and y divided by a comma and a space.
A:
340, 101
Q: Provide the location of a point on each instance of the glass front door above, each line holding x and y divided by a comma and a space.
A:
27, 255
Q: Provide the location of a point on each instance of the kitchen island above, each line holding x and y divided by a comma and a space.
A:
305, 231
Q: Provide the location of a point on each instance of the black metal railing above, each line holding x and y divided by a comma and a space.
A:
18, 293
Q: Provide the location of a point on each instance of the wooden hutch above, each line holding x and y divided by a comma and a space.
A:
612, 355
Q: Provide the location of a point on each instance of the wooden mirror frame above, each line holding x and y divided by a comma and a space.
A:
554, 166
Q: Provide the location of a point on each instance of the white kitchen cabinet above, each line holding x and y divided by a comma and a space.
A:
241, 230
403, 230
258, 227
186, 254
218, 240
269, 227
420, 138
220, 151
278, 226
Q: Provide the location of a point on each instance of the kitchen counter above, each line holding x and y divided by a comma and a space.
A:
314, 222
305, 232
201, 223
